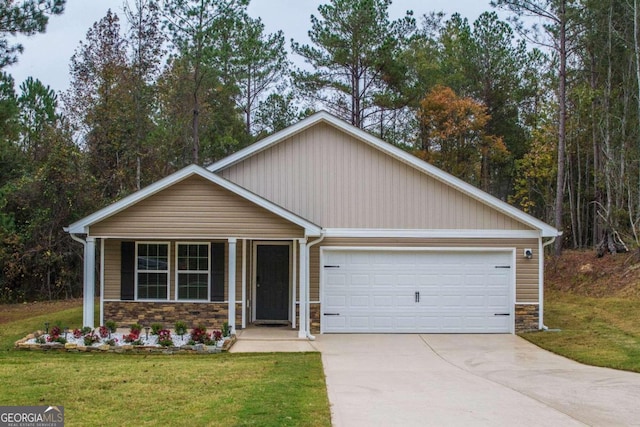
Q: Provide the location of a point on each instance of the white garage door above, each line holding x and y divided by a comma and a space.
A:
416, 291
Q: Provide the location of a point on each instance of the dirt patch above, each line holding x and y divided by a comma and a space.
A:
583, 273
13, 312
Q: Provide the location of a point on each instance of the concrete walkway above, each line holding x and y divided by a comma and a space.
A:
470, 380
269, 339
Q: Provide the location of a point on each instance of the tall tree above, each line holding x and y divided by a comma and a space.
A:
199, 32
354, 53
220, 124
455, 137
99, 102
276, 112
146, 40
28, 17
37, 104
554, 13
261, 61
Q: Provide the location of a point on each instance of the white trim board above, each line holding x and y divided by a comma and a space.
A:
444, 233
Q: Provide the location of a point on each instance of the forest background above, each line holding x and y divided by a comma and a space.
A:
542, 109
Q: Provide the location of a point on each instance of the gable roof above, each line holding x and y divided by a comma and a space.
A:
393, 151
82, 226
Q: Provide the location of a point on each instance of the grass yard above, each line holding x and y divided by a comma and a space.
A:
284, 389
602, 331
595, 302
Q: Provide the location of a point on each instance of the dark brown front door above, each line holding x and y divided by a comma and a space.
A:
272, 282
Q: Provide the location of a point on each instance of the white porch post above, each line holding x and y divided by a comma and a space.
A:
294, 284
302, 331
232, 285
101, 282
89, 282
244, 283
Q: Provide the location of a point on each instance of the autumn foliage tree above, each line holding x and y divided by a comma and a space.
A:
453, 136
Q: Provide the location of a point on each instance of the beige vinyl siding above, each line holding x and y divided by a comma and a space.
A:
526, 269
338, 181
112, 265
195, 209
112, 269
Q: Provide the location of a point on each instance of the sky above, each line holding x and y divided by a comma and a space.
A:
47, 56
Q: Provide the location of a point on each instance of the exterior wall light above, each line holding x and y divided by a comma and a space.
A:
528, 253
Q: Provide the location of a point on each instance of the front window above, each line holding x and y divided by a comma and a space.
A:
193, 271
153, 270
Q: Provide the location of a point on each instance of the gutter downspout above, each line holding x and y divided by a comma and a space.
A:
308, 319
541, 273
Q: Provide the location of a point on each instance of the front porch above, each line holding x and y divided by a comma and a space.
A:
270, 276
187, 246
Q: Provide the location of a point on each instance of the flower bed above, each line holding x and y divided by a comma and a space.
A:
105, 339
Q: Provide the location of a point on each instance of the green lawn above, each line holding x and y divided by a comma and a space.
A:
596, 331
284, 389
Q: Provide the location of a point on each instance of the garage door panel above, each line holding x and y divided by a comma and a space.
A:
336, 301
360, 280
386, 291
359, 301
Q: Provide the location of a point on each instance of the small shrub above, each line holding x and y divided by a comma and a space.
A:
58, 339
133, 337
112, 326
56, 335
77, 333
40, 339
199, 335
216, 336
104, 332
164, 338
225, 329
111, 342
180, 328
156, 328
87, 330
91, 339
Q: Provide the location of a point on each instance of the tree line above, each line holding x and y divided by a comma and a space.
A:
541, 110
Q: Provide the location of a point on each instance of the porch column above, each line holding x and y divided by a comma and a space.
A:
294, 285
232, 285
89, 285
302, 331
244, 283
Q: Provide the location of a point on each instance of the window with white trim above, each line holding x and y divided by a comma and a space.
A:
152, 270
192, 272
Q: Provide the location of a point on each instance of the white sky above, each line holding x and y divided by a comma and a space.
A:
46, 56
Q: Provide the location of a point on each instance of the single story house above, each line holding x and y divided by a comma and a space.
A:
323, 227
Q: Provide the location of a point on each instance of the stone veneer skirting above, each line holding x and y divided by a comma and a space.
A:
213, 315
125, 313
527, 317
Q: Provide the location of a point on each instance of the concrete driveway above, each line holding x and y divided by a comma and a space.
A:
469, 380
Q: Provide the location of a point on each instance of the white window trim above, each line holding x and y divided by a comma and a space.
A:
153, 271
178, 271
